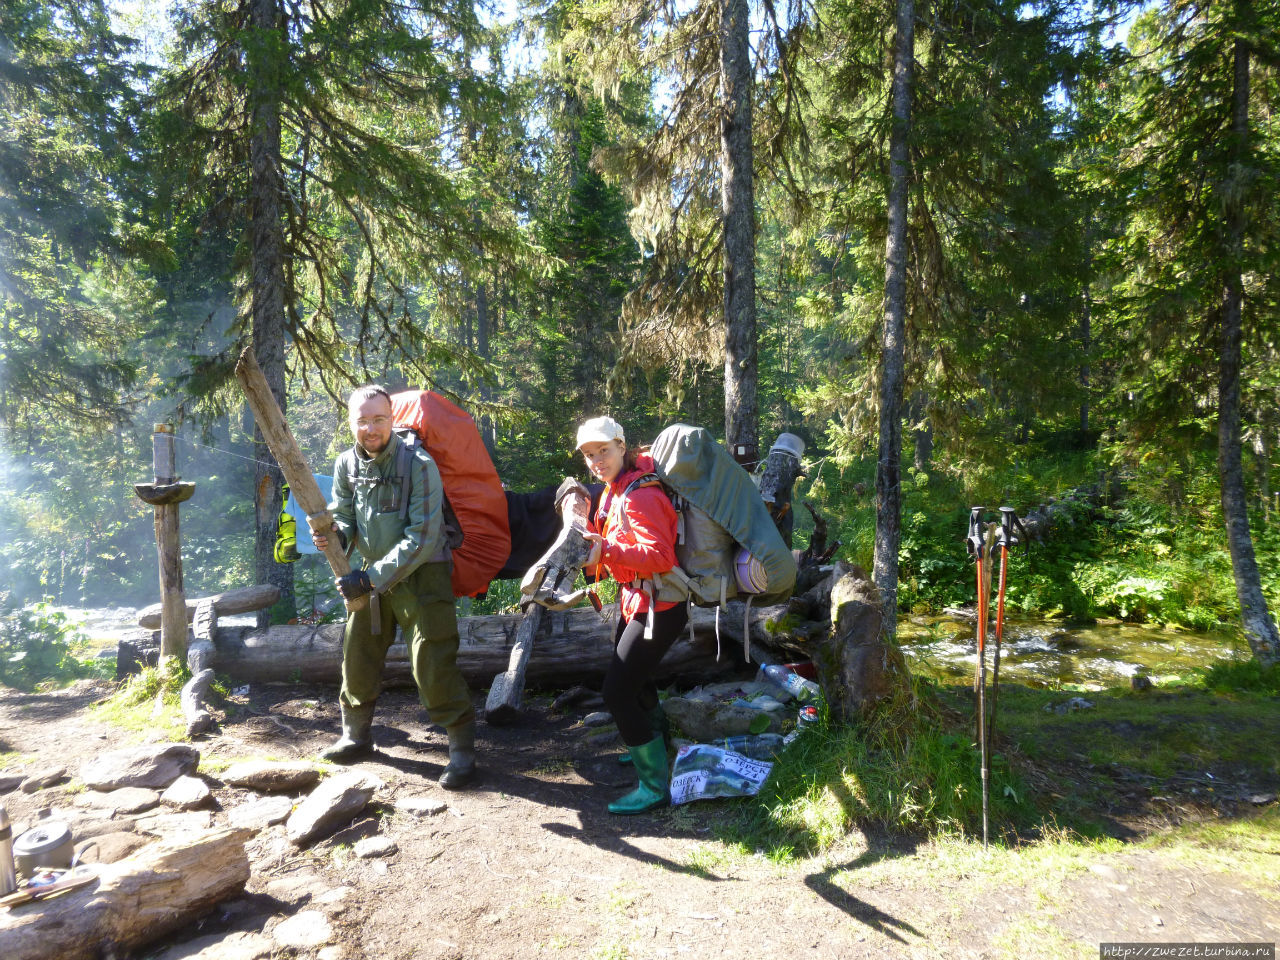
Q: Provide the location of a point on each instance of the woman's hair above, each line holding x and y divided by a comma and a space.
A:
629, 458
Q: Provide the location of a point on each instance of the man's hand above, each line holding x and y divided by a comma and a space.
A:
354, 585
322, 542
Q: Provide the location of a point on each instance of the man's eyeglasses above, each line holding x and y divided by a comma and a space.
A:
376, 422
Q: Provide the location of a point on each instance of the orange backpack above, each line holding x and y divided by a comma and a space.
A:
470, 481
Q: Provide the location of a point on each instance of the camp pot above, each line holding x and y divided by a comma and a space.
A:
8, 880
47, 846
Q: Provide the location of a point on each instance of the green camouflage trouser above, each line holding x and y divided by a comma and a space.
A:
422, 604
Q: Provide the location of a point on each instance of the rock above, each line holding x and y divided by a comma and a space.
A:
176, 824
1140, 682
47, 777
110, 847
124, 800
597, 719
187, 793
268, 776
310, 928
331, 805
1104, 871
372, 847
260, 812
297, 889
235, 946
1068, 706
333, 952
153, 765
1261, 799
333, 901
421, 806
576, 697
10, 782
705, 721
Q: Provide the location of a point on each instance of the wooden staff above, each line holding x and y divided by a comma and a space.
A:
284, 448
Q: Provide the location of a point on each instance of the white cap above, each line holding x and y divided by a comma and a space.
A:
600, 430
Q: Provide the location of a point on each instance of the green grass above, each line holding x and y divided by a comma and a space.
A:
915, 771
148, 702
1248, 848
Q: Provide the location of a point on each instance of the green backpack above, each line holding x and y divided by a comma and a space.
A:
728, 545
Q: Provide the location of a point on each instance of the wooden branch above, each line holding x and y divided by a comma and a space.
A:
242, 600
164, 887
503, 704
279, 439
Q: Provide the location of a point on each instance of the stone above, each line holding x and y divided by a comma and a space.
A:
371, 847
1262, 799
46, 777
153, 765
597, 719
333, 952
334, 901
1068, 706
124, 800
707, 720
331, 805
10, 782
267, 776
260, 812
187, 793
110, 847
296, 889
234, 946
576, 697
310, 928
421, 806
176, 824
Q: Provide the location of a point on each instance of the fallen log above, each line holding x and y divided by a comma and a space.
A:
164, 887
243, 600
570, 646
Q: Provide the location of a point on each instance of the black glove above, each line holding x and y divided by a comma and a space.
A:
354, 585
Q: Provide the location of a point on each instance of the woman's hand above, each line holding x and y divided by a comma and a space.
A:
597, 549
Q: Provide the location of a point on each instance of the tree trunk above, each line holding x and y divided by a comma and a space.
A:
1259, 628
888, 463
741, 366
266, 229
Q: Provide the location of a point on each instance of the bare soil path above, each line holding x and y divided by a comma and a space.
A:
529, 863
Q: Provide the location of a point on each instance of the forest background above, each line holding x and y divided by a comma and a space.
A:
1032, 252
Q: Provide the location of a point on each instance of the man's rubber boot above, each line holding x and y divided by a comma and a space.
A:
356, 740
650, 761
461, 771
658, 723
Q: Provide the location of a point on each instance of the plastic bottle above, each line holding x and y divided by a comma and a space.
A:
761, 747
8, 878
792, 682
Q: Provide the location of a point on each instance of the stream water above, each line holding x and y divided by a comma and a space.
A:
1036, 653
1049, 654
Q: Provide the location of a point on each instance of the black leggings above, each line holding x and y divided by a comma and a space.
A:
629, 691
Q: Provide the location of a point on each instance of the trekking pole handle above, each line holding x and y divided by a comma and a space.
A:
1012, 532
973, 542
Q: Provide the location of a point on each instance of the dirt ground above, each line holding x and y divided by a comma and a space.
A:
530, 864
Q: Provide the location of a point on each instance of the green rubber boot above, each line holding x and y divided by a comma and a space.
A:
650, 760
356, 740
461, 771
658, 723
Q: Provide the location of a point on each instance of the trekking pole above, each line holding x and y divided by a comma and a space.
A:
1008, 538
976, 546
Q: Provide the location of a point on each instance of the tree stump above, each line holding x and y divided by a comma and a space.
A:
857, 667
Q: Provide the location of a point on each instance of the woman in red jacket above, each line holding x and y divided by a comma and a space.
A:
635, 534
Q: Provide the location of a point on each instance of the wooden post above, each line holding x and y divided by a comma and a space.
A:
165, 493
284, 448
